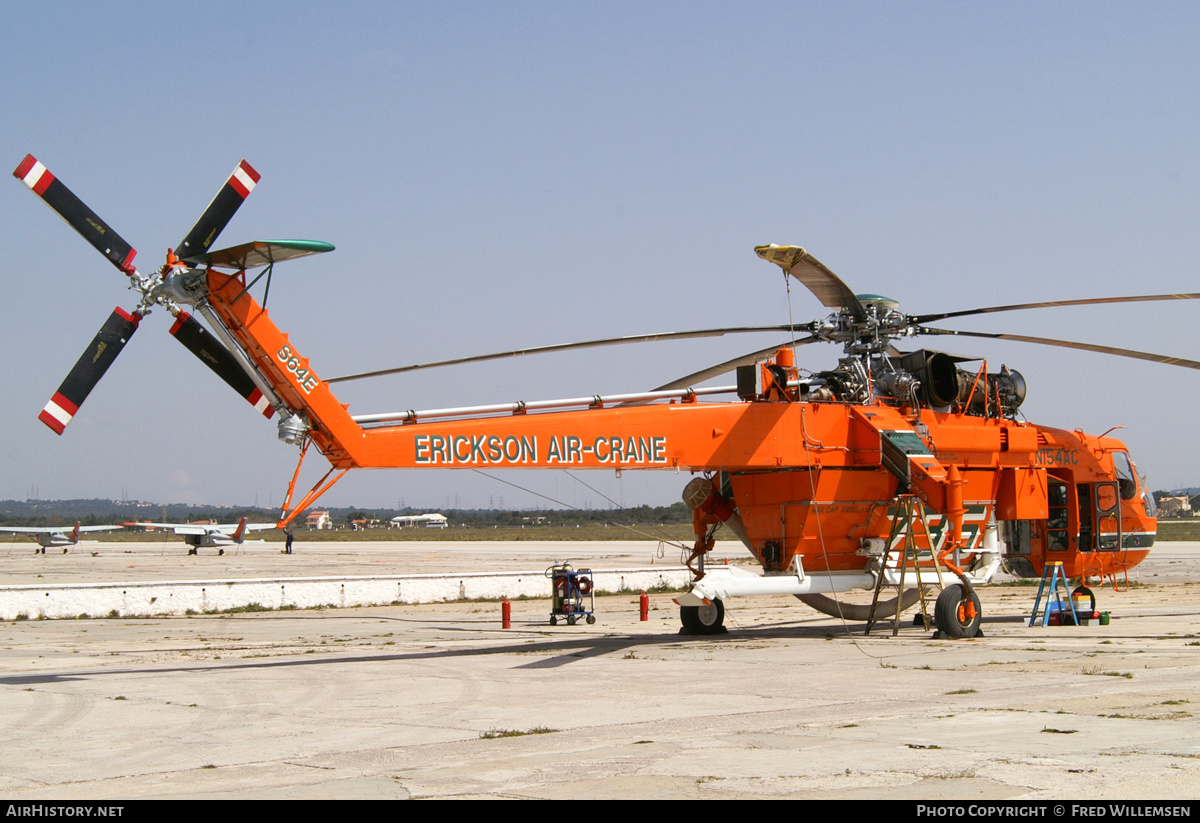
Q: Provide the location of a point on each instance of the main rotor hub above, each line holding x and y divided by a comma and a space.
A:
883, 304
872, 332
179, 284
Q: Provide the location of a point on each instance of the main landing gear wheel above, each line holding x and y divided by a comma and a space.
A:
953, 613
708, 619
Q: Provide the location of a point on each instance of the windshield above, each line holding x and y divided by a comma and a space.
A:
1125, 478
1147, 497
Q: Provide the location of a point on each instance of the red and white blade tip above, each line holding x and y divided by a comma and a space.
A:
34, 175
58, 413
244, 179
259, 402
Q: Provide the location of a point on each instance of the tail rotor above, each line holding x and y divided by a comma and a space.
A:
160, 287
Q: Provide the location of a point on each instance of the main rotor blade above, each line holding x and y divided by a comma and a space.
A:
218, 214
815, 276
57, 196
188, 331
1142, 298
729, 365
587, 344
104, 348
1069, 344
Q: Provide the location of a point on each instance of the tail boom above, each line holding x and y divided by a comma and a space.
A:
287, 372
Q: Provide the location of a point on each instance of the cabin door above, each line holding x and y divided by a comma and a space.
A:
1099, 517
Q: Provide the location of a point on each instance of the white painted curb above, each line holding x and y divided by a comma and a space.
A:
200, 596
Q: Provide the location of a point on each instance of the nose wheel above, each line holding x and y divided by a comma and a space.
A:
708, 618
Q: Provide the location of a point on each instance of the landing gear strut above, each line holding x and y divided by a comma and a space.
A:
705, 619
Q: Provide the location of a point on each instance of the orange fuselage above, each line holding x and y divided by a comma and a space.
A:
812, 480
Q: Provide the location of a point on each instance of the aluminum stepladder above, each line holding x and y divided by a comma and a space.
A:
910, 512
1053, 574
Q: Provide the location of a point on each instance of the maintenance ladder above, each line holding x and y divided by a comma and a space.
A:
905, 541
1053, 574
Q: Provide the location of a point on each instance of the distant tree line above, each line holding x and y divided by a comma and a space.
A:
637, 515
488, 518
95, 512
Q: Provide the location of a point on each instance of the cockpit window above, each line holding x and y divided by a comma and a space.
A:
1147, 496
1125, 477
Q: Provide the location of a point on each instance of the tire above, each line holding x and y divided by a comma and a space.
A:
591, 618
1084, 591
571, 620
703, 619
949, 613
553, 620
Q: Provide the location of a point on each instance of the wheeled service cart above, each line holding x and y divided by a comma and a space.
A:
572, 594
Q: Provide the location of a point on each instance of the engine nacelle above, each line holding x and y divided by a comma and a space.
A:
944, 384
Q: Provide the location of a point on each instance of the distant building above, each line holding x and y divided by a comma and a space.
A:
1175, 507
318, 520
412, 521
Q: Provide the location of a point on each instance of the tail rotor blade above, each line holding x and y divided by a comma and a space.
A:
220, 211
57, 196
199, 342
105, 347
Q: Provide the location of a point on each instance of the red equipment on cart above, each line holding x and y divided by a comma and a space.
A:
573, 597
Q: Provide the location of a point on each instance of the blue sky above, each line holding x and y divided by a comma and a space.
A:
504, 175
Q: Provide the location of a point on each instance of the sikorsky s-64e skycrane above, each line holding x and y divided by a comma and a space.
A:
892, 469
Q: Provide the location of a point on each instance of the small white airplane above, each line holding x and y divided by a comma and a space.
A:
49, 536
208, 535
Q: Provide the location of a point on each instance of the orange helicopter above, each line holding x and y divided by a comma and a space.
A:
892, 469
